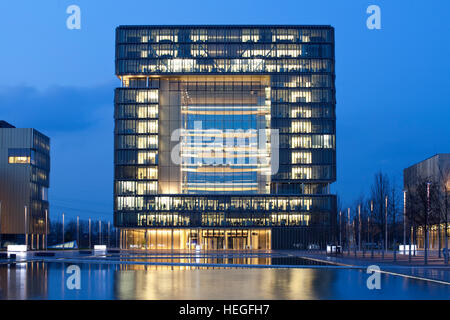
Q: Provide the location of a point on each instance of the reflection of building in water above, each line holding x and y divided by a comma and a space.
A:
23, 281
224, 136
202, 283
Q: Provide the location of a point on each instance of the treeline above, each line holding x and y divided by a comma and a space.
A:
390, 215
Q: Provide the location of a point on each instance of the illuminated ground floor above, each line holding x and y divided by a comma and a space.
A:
224, 238
205, 239
436, 234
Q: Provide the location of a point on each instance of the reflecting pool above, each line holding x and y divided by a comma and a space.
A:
49, 280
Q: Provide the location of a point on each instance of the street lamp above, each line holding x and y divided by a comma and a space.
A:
404, 219
78, 231
426, 223
371, 229
89, 233
63, 230
26, 225
359, 227
100, 231
385, 225
109, 226
340, 228
348, 232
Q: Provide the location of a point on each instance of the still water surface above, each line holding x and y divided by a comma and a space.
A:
43, 280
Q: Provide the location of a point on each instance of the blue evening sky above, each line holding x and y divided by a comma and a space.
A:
392, 84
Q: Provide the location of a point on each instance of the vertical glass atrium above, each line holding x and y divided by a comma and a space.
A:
224, 136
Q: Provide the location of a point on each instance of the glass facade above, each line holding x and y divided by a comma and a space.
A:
25, 168
226, 127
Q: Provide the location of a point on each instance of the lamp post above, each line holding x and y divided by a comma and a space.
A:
340, 228
404, 219
447, 186
100, 231
109, 226
426, 224
89, 232
359, 227
63, 230
371, 229
78, 231
26, 225
348, 232
46, 229
0, 224
354, 236
385, 225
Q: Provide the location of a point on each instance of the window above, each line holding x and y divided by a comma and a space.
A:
21, 156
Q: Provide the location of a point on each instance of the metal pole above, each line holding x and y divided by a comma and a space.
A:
340, 229
426, 224
109, 226
348, 227
368, 234
371, 229
359, 227
385, 225
404, 219
26, 225
354, 236
0, 224
89, 232
46, 229
63, 230
78, 231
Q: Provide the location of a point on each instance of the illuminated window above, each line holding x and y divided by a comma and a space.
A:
144, 188
303, 157
144, 126
147, 173
147, 142
301, 142
301, 127
301, 173
147, 111
22, 156
147, 96
147, 157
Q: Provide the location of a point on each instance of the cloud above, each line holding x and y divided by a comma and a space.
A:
79, 122
56, 109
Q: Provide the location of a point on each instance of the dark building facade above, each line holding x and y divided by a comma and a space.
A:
225, 136
436, 171
24, 183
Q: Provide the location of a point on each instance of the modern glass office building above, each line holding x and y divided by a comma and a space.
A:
225, 137
24, 183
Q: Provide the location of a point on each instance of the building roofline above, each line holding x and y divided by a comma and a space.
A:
226, 26
431, 157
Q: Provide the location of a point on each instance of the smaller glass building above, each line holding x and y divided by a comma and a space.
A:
24, 183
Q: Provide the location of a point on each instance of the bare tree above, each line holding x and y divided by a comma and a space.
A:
443, 194
379, 192
394, 212
425, 207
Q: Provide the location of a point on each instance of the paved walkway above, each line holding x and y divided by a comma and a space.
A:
435, 270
